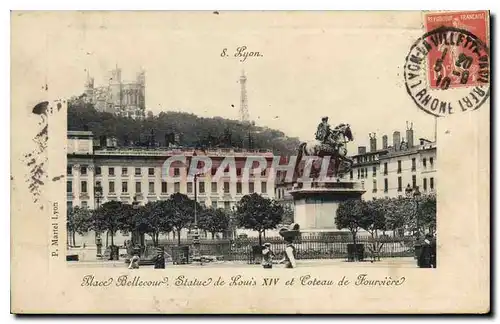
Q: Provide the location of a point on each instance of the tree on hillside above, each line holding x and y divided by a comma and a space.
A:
111, 216
350, 216
213, 220
190, 130
258, 213
182, 213
78, 221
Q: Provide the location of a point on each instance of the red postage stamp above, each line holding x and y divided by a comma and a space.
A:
452, 63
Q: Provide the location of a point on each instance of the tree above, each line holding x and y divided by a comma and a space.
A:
213, 220
152, 219
427, 212
258, 213
350, 216
182, 213
373, 220
373, 216
78, 221
193, 131
400, 214
288, 215
111, 216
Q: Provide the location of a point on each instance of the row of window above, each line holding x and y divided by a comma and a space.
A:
111, 171
215, 204
164, 187
363, 172
138, 171
400, 184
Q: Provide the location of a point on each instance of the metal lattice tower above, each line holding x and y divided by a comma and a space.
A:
244, 116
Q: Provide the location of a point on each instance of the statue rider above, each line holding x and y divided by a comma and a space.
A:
323, 131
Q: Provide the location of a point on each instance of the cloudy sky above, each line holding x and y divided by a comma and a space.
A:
348, 66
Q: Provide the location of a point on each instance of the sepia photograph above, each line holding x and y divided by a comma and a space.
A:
196, 151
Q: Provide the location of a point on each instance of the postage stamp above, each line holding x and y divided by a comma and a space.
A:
455, 66
249, 163
447, 70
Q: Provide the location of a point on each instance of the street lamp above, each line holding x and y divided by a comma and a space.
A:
196, 237
233, 222
98, 196
135, 234
415, 194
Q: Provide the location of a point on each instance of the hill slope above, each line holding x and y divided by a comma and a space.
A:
189, 129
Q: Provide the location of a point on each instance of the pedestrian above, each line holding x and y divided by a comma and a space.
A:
426, 252
433, 252
289, 234
159, 259
134, 262
267, 256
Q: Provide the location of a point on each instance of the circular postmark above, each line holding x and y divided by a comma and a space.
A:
447, 71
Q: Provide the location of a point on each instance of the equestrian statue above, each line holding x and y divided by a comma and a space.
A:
329, 142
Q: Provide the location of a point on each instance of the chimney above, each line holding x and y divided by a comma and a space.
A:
384, 142
396, 139
409, 134
373, 142
361, 149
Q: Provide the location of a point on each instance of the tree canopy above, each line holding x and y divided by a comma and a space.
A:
213, 220
190, 130
258, 213
111, 216
79, 220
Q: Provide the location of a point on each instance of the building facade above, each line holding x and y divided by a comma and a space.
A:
119, 97
129, 175
388, 170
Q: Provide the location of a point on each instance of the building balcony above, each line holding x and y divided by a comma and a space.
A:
84, 195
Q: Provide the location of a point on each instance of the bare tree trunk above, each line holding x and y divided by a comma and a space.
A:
74, 241
260, 238
107, 236
213, 234
112, 236
179, 237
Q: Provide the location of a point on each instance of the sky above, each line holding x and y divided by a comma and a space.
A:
347, 66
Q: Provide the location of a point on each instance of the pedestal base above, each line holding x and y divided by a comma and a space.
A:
316, 206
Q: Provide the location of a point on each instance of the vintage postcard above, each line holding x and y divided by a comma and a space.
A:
250, 162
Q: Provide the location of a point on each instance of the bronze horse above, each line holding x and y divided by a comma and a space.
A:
335, 147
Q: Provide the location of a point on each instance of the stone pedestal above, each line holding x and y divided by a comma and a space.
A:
316, 203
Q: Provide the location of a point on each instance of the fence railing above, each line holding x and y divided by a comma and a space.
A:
307, 247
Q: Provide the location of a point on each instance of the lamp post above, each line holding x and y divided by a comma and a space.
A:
98, 197
135, 234
415, 194
233, 223
196, 236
